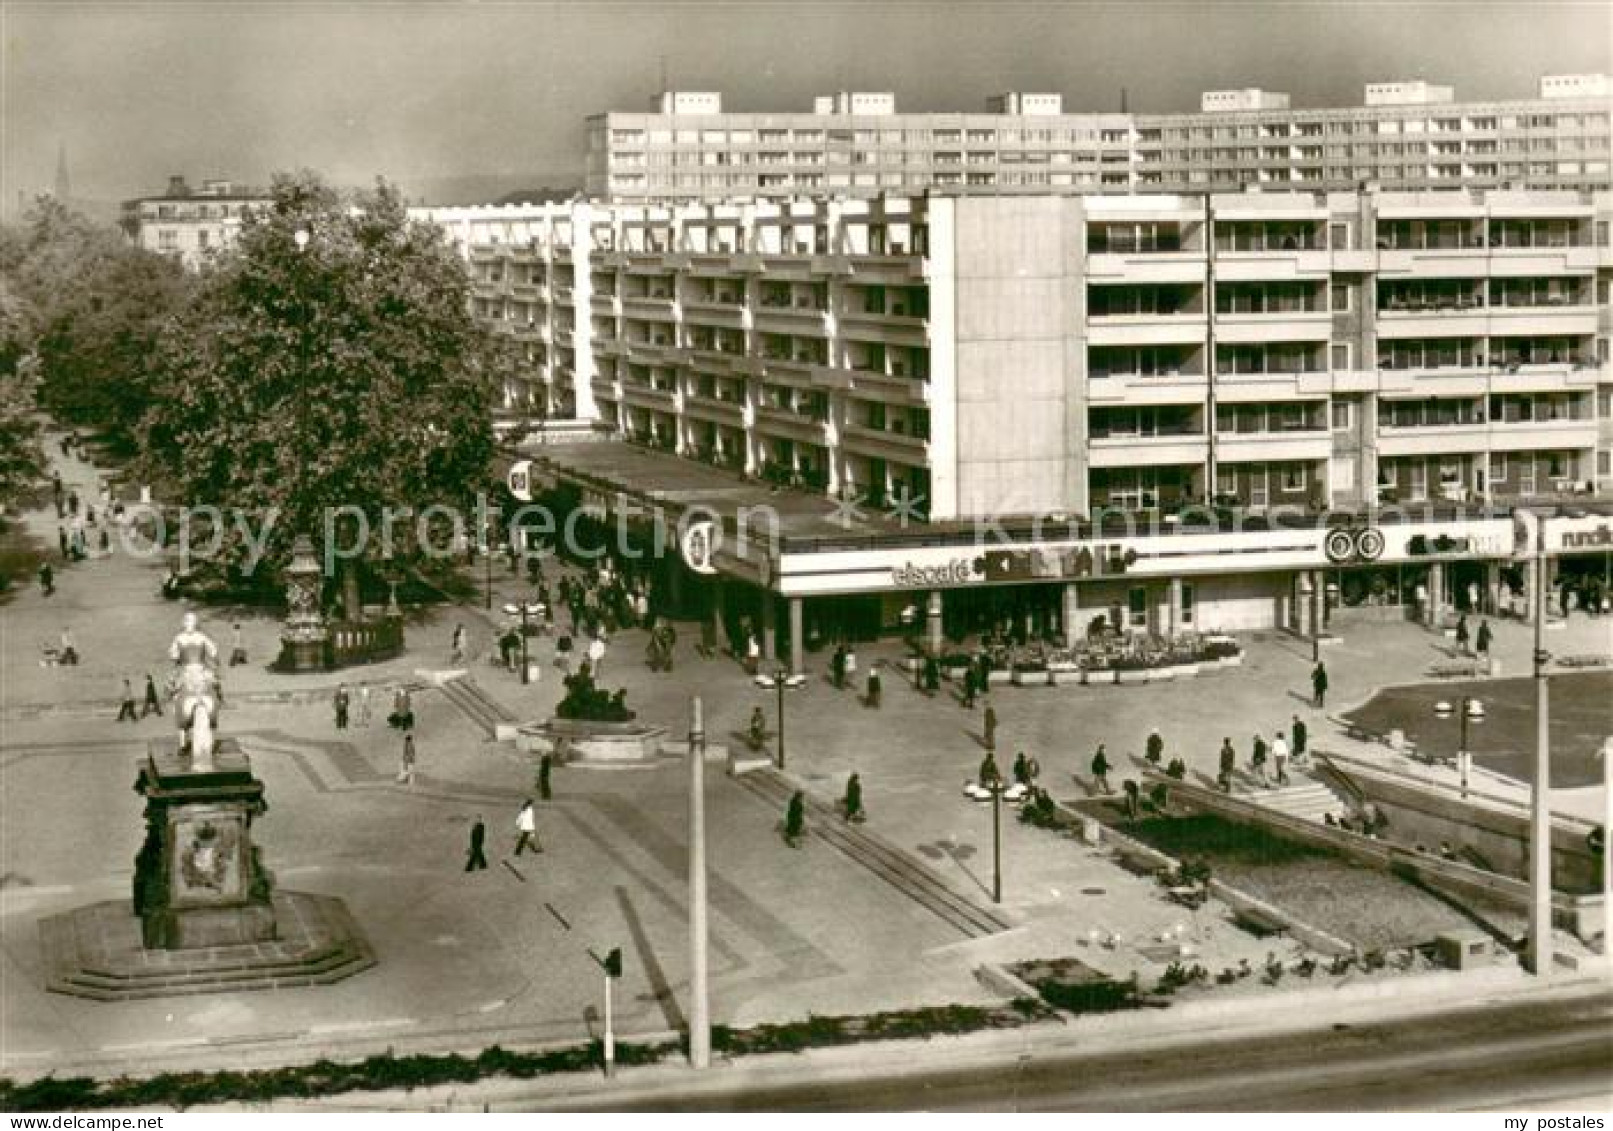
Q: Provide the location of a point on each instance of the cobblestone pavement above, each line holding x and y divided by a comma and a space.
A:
504, 955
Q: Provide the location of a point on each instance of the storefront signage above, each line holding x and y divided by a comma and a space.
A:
1353, 544
959, 571
1600, 538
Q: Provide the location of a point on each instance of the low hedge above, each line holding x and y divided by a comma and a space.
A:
388, 1071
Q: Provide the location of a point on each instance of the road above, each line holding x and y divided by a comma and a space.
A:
1528, 1054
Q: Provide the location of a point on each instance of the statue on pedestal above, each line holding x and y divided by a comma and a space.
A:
194, 685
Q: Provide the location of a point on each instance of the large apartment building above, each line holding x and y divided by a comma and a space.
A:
1000, 357
1407, 136
1038, 354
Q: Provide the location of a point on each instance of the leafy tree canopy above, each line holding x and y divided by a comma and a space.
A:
89, 307
329, 361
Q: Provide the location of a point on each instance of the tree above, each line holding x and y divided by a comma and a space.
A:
328, 366
94, 307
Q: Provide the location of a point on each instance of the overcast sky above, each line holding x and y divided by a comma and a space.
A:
420, 92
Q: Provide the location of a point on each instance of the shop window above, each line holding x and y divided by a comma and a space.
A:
1137, 601
1188, 598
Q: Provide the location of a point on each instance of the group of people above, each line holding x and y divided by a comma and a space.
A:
1480, 642
526, 836
1268, 761
152, 705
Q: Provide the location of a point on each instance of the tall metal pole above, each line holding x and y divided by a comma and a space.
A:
610, 1031
1540, 955
996, 842
526, 666
778, 682
699, 989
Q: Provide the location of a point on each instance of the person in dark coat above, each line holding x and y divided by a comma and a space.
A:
1229, 763
837, 666
1100, 770
61, 540
875, 688
1022, 769
1133, 794
1319, 684
545, 765
990, 775
1155, 749
341, 702
932, 675
476, 858
1461, 633
854, 798
1257, 757
795, 820
152, 705
1298, 736
1482, 640
991, 726
47, 578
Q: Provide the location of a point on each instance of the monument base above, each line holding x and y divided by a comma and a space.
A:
97, 952
573, 741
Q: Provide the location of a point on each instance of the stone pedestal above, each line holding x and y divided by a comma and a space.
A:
205, 918
197, 881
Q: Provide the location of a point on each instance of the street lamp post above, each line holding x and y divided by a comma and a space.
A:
1540, 941
778, 684
996, 787
1469, 708
526, 666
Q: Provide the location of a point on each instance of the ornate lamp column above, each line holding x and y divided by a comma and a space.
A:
305, 635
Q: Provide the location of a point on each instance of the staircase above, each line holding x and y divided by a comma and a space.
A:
885, 860
475, 704
1306, 798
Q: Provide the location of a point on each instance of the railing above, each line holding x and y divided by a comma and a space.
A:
364, 642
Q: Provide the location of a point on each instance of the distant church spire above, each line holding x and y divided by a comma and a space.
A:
63, 188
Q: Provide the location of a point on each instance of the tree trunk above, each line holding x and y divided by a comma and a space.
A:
352, 603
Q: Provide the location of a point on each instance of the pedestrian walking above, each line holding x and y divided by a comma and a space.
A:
596, 654
1319, 685
1229, 764
126, 709
969, 686
795, 820
1257, 758
545, 767
1100, 771
1481, 642
837, 666
875, 688
68, 654
456, 647
991, 726
476, 858
152, 705
1300, 736
61, 540
1461, 633
1279, 757
853, 801
526, 827
932, 675
1022, 769
47, 578
237, 646
364, 706
1155, 749
341, 702
402, 716
406, 766
1133, 794
1473, 597
753, 654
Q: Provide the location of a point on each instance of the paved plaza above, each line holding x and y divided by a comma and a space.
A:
504, 955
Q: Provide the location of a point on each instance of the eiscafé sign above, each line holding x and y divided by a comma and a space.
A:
958, 571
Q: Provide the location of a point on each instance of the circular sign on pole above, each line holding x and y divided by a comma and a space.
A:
1339, 545
519, 480
696, 545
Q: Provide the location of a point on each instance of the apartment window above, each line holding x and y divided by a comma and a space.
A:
1604, 464
1341, 355
1340, 293
1339, 236
1419, 480
1601, 233
1498, 467
167, 239
1343, 416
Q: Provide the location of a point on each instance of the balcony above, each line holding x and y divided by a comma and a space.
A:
653, 308
1552, 319
1146, 329
882, 443
1273, 447
790, 320
775, 420
1139, 267
714, 408
1542, 435
1462, 321
1140, 389
1276, 263
1276, 326
1147, 451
